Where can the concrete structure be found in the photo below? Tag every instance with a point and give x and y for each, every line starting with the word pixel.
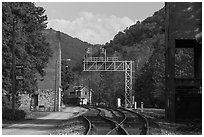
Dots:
pixel 183 30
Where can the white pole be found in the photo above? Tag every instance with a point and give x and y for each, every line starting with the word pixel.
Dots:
pixel 133 100
pixel 90 97
pixel 59 99
pixel 105 54
pixel 142 106
pixel 135 105
pixel 119 102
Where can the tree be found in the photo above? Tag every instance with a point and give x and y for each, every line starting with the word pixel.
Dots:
pixel 188 16
pixel 32 50
pixel 67 76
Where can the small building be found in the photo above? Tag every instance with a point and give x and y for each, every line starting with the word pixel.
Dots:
pixel 43 100
pixel 80 96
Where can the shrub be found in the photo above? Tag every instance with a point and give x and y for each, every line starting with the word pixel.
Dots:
pixel 20 114
pixel 7 114
pixel 65 99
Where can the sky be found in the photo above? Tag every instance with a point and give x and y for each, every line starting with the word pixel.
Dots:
pixel 99 22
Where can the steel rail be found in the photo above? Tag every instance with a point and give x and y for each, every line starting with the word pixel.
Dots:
pixel 145 130
pixel 88 121
pixel 124 115
pixel 119 125
pixel 100 114
pixel 89 125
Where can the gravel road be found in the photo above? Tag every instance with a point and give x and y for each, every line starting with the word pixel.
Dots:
pixel 43 125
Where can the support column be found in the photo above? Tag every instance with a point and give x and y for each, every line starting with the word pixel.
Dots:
pixel 128 83
pixel 169 66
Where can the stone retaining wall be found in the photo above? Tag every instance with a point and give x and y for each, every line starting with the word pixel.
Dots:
pixel 46 100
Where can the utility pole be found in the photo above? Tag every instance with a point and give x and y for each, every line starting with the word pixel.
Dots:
pixel 55 100
pixel 89 87
pixel 59 63
pixel 13 69
pixel 90 80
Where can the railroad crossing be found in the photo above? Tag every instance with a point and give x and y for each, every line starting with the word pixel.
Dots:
pixel 111 64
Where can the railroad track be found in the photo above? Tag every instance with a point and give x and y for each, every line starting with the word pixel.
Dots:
pixel 135 124
pixel 99 124
pixel 109 121
pixel 118 117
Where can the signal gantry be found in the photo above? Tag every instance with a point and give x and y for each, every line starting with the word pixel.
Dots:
pixel 111 64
